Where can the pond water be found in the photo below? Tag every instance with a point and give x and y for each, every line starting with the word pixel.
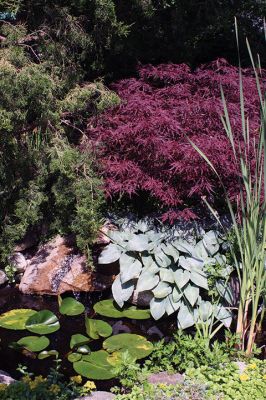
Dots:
pixel 11 298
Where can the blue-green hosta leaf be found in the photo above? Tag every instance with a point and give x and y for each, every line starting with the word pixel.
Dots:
pixel 170 305
pixel 170 250
pixel 192 293
pixel 191 263
pixel 147 261
pixel 200 251
pixel 167 275
pixel 162 290
pixel 185 317
pixel 147 281
pixel 122 291
pixel 130 268
pixel 183 246
pixel 110 254
pixel 205 311
pixel 157 307
pixel 225 291
pixel 118 237
pixel 220 259
pixel 138 243
pixel 223 315
pixel 199 280
pixel 211 243
pixel 177 294
pixel 181 278
pixel 142 226
pixel 161 258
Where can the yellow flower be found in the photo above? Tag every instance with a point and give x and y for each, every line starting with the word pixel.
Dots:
pixel 264 377
pixel 89 385
pixel 162 385
pixel 76 379
pixel 252 366
pixel 26 379
pixel 3 386
pixel 244 377
pixel 54 389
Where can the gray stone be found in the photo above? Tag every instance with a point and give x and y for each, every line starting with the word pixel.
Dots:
pixel 6 378
pixel 166 378
pixel 19 261
pixel 99 395
pixel 3 277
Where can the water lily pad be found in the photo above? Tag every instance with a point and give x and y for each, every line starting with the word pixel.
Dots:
pixel 74 357
pixel 108 308
pixel 96 328
pixel 137 346
pixel 34 343
pixel 43 322
pixel 95 366
pixel 78 340
pixel 16 319
pixel 47 353
pixel 70 306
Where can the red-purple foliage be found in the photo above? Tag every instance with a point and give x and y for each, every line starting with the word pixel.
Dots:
pixel 142 144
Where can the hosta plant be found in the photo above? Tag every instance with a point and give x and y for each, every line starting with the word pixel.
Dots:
pixel 172 269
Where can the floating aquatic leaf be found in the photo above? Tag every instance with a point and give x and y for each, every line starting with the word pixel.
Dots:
pixel 74 357
pixel 95 366
pixel 70 306
pixel 78 340
pixel 108 308
pixel 43 322
pixel 137 346
pixel 96 328
pixel 47 353
pixel 16 319
pixel 34 343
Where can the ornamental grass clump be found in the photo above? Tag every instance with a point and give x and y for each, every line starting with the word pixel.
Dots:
pixel 249 220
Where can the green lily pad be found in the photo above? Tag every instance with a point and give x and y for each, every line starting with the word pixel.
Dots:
pixel 109 308
pixel 74 357
pixel 71 307
pixel 96 328
pixel 137 346
pixel 47 353
pixel 78 340
pixel 34 343
pixel 16 319
pixel 43 322
pixel 95 366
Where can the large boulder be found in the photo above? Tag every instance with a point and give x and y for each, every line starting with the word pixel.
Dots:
pixel 5 378
pixel 56 268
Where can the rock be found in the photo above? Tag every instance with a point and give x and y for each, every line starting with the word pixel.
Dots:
pixel 56 268
pixel 19 261
pixel 99 395
pixel 5 378
pixel 3 277
pixel 166 378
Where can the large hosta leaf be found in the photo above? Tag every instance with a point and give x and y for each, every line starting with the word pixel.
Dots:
pixel 96 328
pixel 211 242
pixel 137 346
pixel 147 281
pixel 16 319
pixel 161 258
pixel 70 306
pixel 95 366
pixel 108 308
pixel 122 291
pixel 130 268
pixel 162 290
pixel 183 246
pixel 157 307
pixel 167 275
pixel 43 322
pixel 192 293
pixel 199 279
pixel 171 251
pixel 185 317
pixel 34 343
pixel 138 243
pixel 181 278
pixel 110 254
pixel 223 315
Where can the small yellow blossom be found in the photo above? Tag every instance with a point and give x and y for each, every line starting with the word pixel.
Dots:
pixel 252 366
pixel 76 379
pixel 3 386
pixel 264 377
pixel 162 385
pixel 89 385
pixel 54 389
pixel 244 377
pixel 26 379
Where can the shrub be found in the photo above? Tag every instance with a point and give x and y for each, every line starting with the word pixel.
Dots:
pixel 143 144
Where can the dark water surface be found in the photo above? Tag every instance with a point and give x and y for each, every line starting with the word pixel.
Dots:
pixel 11 298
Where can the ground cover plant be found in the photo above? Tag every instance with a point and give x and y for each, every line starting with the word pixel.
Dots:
pixel 143 146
